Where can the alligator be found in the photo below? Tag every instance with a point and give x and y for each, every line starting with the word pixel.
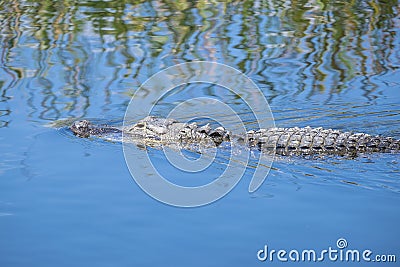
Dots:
pixel 154 131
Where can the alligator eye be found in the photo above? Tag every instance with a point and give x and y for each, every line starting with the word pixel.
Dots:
pixel 81 128
pixel 216 134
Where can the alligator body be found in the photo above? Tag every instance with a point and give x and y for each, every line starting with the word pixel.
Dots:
pixel 283 141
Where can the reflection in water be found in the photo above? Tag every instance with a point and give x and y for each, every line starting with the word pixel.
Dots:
pixel 68 56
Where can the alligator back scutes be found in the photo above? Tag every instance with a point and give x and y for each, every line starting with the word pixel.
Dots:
pixel 309 140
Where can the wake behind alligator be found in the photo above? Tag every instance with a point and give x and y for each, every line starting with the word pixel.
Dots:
pixel 153 131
